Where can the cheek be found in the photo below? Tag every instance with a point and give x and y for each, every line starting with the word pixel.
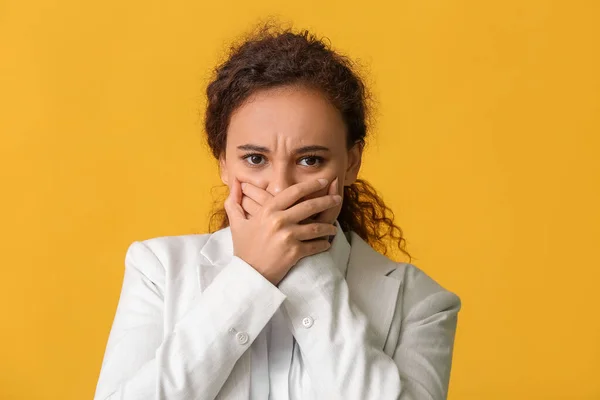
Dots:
pixel 247 175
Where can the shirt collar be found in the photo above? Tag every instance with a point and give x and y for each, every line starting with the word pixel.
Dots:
pixel 340 249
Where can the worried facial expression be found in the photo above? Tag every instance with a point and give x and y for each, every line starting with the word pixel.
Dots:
pixel 286 135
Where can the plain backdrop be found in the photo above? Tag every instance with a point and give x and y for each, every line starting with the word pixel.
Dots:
pixel 486 146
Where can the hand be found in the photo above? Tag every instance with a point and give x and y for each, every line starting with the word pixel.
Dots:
pixel 273 239
pixel 254 197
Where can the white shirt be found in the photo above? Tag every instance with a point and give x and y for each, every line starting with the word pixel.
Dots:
pixel 282 375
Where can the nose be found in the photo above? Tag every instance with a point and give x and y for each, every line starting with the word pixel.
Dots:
pixel 281 178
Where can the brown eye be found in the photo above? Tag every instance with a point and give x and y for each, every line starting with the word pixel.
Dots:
pixel 254 159
pixel 311 161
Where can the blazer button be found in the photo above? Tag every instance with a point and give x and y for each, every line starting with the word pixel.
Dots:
pixel 307 322
pixel 242 337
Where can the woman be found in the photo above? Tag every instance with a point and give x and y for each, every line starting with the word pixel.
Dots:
pixel 289 300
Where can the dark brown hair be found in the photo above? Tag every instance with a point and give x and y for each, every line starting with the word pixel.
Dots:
pixel 274 57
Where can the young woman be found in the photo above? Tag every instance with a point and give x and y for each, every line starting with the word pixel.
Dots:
pixel 289 298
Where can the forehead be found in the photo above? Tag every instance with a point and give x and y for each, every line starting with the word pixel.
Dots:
pixel 294 114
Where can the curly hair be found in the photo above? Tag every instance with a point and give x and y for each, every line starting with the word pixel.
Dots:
pixel 273 57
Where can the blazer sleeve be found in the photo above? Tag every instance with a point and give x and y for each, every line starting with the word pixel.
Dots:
pixel 194 360
pixel 426 341
pixel 338 346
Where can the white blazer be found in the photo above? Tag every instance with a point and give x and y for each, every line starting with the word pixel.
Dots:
pixel 189 310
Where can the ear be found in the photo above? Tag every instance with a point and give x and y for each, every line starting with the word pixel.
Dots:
pixel 223 169
pixel 354 162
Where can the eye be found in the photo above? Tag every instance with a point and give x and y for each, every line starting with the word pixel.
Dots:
pixel 254 160
pixel 311 161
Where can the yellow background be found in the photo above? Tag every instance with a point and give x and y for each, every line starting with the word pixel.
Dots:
pixel 487 148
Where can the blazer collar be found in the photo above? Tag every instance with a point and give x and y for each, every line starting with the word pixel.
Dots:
pixel 364 256
pixel 372 290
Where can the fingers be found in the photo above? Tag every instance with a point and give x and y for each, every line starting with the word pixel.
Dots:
pixel 313 231
pixel 250 206
pixel 312 247
pixel 328 215
pixel 254 198
pixel 292 194
pixel 333 188
pixel 257 194
pixel 309 207
pixel 232 205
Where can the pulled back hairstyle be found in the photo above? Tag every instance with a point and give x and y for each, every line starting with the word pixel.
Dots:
pixel 274 57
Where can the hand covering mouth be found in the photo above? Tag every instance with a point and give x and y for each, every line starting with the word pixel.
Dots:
pixel 310 219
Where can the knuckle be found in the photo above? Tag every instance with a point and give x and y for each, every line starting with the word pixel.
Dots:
pixel 316 229
pixel 294 253
pixel 315 247
pixel 327 202
pixel 268 207
pixel 287 237
pixel 311 206
pixel 276 223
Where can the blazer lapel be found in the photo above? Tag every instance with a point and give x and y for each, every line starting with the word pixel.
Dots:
pixel 371 289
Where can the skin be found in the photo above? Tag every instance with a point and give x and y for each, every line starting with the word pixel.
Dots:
pixel 286 162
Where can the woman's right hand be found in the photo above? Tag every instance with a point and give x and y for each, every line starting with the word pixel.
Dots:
pixel 273 240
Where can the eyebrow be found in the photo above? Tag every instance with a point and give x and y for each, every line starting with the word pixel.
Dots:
pixel 300 150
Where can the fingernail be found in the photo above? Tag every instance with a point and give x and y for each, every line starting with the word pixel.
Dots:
pixel 243 185
pixel 337 198
pixel 322 181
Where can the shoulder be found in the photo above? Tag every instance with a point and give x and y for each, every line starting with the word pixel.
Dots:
pixel 178 249
pixel 166 255
pixel 421 294
pixel 418 292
